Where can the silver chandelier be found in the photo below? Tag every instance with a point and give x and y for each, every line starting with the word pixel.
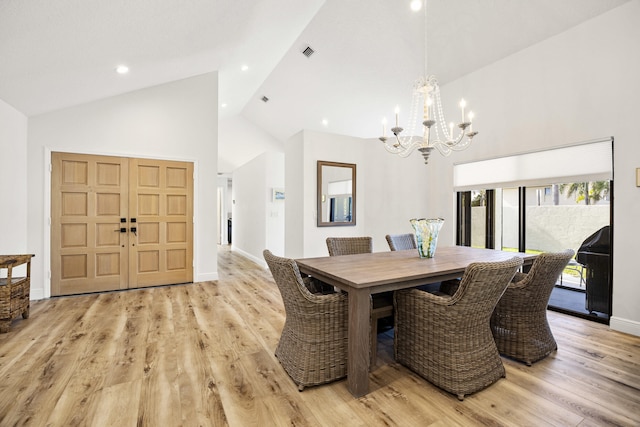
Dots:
pixel 435 131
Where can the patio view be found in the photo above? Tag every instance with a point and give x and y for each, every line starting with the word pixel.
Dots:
pixel 558 216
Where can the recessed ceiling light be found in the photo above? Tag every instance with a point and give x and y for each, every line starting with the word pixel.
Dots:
pixel 244 68
pixel 122 69
pixel 416 5
pixel 325 122
pixel 224 105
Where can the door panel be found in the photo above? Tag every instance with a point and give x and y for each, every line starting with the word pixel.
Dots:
pixel 88 252
pixel 90 195
pixel 161 200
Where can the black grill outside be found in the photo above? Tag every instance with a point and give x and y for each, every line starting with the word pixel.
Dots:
pixel 594 254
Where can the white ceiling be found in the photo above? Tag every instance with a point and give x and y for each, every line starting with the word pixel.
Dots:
pixel 55 54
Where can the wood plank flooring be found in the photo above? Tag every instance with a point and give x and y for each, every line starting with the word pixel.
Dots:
pixel 203 355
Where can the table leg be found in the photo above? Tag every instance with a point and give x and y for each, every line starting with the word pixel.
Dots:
pixel 359 342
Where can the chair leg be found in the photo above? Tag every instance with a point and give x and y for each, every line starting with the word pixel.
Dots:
pixel 5 325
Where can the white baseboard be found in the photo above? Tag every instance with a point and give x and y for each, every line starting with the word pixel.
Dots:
pixel 260 261
pixel 206 277
pixel 36 294
pixel 624 325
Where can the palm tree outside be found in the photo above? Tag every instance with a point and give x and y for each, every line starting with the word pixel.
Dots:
pixel 590 192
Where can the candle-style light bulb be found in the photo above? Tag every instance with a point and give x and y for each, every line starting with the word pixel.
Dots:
pixel 397 111
pixel 463 104
pixel 471 115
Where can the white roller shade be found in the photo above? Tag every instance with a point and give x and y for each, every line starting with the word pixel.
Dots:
pixel 591 161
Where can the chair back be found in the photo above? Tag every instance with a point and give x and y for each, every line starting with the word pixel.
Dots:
pixel 400 242
pixel 481 287
pixel 287 276
pixel 349 245
pixel 538 283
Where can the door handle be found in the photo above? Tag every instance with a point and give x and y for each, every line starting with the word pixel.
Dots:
pixel 134 230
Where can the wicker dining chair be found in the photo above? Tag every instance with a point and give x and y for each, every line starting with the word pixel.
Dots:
pixel 313 345
pixel 349 245
pixel 381 304
pixel 519 322
pixel 400 242
pixel 447 339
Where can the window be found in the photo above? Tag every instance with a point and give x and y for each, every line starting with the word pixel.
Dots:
pixel 539 209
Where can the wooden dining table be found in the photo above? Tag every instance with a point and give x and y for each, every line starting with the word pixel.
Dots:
pixel 362 275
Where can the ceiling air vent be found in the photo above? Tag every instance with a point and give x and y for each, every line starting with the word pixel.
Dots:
pixel 264 99
pixel 308 52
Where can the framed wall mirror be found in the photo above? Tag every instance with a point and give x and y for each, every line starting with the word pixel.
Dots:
pixel 336 194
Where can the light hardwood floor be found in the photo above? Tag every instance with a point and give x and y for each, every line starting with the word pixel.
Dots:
pixel 203 355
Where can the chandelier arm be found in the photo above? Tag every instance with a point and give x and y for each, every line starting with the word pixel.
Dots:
pixel 409 150
pixel 462 146
pixel 392 149
pixel 404 141
pixel 443 148
pixel 401 143
pixel 458 139
pixel 403 150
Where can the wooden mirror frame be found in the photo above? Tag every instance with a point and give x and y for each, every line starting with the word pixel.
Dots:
pixel 321 199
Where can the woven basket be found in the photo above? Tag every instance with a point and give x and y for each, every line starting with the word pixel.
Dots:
pixel 14 291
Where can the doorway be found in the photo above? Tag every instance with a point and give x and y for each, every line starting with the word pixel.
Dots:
pixel 119 223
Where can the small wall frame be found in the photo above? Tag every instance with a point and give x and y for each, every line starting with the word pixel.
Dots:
pixel 277 194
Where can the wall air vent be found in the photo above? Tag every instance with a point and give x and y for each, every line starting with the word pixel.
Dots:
pixel 308 52
pixel 264 99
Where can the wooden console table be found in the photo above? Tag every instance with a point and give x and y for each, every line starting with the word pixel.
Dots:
pixel 14 291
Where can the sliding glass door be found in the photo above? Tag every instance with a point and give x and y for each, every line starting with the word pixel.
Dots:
pixel 546 218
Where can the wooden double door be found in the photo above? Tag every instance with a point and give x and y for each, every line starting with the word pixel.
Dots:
pixel 119 223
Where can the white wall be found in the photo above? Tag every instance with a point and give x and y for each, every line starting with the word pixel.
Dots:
pixel 397 190
pixel 389 191
pixel 175 121
pixel 577 86
pixel 13 181
pixel 240 141
pixel 258 220
pixel 276 216
pixel 296 210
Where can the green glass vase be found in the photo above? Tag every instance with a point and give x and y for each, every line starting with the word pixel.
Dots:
pixel 427 235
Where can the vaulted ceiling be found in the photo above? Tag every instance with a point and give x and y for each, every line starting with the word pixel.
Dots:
pixel 55 54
